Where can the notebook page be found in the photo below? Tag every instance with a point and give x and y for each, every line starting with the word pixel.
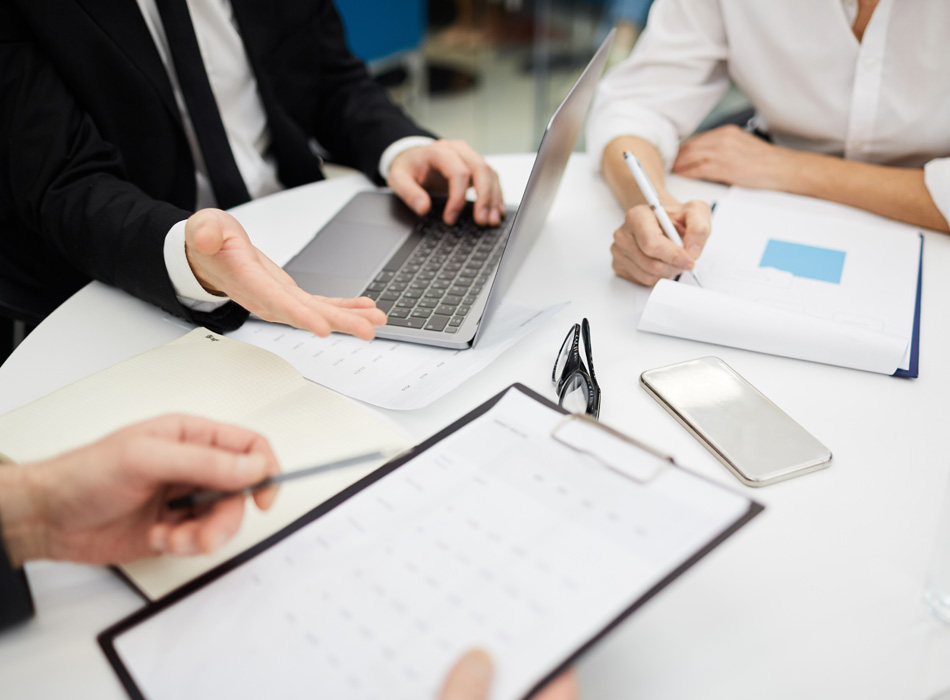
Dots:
pixel 497 537
pixel 201 373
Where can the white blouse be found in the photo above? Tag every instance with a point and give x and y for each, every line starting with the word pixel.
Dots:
pixel 815 87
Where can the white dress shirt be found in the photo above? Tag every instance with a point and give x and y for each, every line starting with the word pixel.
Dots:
pixel 815 87
pixel 245 122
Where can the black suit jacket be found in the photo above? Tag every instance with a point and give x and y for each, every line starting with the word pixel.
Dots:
pixel 94 163
pixel 16 603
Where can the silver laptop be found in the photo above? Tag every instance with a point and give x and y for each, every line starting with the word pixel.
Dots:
pixel 439 284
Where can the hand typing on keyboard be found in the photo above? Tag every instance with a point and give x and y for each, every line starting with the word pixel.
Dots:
pixel 451 165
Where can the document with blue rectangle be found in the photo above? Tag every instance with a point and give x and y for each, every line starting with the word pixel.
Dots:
pixel 799 277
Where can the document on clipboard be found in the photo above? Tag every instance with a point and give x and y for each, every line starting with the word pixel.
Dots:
pixel 517 529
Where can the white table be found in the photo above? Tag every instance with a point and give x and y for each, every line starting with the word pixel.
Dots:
pixel 818 597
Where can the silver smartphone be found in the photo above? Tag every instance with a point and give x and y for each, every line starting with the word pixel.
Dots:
pixel 753 437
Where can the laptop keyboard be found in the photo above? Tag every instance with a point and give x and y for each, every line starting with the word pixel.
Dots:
pixel 433 279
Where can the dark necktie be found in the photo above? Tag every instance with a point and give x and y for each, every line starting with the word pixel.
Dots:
pixel 229 188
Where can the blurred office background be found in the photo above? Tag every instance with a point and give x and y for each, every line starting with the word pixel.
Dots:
pixel 490 71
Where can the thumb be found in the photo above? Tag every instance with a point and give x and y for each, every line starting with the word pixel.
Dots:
pixel 470 678
pixel 204 231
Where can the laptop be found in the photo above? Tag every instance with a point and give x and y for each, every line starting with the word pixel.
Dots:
pixel 440 284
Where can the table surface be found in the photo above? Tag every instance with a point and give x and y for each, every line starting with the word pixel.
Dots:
pixel 820 596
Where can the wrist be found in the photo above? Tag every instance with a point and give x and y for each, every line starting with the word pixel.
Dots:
pixel 796 173
pixel 21 515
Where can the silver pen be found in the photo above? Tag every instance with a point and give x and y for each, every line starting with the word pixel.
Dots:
pixel 212 496
pixel 649 193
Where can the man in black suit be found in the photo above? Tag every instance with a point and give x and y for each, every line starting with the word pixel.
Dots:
pixel 105 155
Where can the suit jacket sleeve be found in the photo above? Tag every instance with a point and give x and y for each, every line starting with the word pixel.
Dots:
pixel 67 185
pixel 303 64
pixel 16 603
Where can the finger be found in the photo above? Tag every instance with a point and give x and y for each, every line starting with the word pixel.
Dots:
pixel 202 431
pixel 485 180
pixel 164 462
pixel 204 232
pixel 183 539
pixel 692 157
pixel 408 188
pixel 316 316
pixel 653 243
pixel 564 687
pixel 457 174
pixel 632 263
pixel 697 222
pixel 349 303
pixel 625 266
pixel 284 302
pixel 289 304
pixel 265 498
pixel 219 525
pixel 469 679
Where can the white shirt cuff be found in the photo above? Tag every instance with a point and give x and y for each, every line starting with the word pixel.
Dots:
pixel 187 287
pixel 397 147
pixel 937 179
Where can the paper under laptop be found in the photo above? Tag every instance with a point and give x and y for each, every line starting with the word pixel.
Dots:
pixel 353 249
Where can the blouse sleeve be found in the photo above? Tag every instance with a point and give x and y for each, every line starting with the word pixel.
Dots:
pixel 673 78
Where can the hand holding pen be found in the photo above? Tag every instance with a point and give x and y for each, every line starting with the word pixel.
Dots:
pixel 653 201
pixel 641 251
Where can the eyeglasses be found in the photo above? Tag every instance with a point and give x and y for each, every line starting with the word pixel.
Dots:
pixel 577 388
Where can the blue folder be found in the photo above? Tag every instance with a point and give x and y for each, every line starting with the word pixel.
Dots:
pixel 915 338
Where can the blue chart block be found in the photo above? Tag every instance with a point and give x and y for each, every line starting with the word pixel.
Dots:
pixel 808 261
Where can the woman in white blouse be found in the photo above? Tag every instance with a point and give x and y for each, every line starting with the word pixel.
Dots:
pixel 854 94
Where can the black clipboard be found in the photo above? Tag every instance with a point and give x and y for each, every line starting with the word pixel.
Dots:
pixel 108 637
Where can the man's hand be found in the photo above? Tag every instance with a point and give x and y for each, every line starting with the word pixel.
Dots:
pixel 224 261
pixel 452 166
pixel 470 679
pixel 735 157
pixel 107 502
pixel 641 251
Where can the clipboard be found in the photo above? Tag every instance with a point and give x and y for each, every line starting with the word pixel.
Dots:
pixel 147 649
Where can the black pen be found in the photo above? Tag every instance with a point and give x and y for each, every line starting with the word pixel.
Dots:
pixel 212 496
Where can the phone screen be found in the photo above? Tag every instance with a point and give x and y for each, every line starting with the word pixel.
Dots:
pixel 758 441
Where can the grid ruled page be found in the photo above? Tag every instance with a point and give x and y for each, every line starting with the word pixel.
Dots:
pixel 497 537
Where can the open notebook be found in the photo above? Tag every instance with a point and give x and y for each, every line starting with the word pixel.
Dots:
pixel 205 374
pixel 799 277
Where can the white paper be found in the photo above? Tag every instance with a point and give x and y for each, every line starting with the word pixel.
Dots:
pixel 690 312
pixel 497 537
pixel 863 319
pixel 388 373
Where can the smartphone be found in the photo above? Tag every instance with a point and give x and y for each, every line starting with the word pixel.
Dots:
pixel 753 437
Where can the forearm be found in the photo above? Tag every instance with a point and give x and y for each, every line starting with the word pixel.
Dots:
pixel 20 516
pixel 618 176
pixel 897 193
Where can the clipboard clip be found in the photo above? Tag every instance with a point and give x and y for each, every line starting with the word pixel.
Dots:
pixel 614 450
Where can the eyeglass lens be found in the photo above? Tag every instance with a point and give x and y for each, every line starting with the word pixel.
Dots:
pixel 575 394
pixel 560 366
